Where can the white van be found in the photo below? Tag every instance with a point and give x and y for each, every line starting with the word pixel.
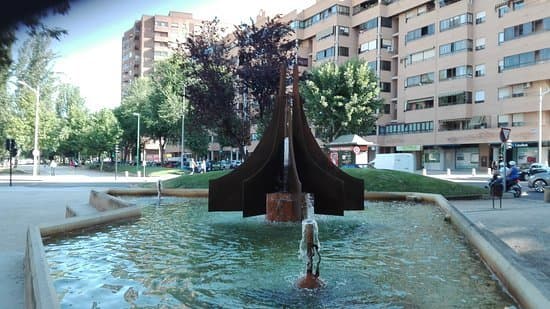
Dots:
pixel 394 161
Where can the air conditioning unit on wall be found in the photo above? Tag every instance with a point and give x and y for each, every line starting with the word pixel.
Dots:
pixel 527 85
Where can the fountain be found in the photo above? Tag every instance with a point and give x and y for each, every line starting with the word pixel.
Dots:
pixel 179 254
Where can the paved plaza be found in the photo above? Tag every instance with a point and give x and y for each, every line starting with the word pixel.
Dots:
pixel 520 228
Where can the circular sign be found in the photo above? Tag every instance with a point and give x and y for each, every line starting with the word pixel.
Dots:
pixel 35 152
pixel 356 150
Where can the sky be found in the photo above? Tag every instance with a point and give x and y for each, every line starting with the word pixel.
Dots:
pixel 89 56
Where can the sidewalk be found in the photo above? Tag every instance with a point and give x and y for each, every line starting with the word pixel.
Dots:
pixel 520 229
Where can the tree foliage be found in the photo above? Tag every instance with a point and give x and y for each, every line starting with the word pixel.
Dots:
pixel 262 49
pixel 341 99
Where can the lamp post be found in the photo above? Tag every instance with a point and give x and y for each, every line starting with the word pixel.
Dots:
pixel 137 144
pixel 182 128
pixel 35 151
pixel 541 95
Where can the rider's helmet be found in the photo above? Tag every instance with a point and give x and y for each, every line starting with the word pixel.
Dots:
pixel 512 163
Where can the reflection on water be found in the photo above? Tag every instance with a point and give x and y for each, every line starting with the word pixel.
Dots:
pixel 178 255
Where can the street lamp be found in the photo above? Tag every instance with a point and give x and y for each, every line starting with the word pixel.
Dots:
pixel 35 151
pixel 182 129
pixel 137 144
pixel 541 94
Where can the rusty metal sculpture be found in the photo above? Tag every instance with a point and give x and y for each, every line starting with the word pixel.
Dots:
pixel 286 163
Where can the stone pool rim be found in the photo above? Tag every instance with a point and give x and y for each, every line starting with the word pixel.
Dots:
pixel 40 292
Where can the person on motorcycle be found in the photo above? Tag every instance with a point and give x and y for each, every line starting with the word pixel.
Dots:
pixel 513 173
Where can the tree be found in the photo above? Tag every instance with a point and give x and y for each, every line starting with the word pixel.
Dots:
pixel 262 49
pixel 341 99
pixel 34 67
pixel 103 133
pixel 135 101
pixel 74 120
pixel 212 100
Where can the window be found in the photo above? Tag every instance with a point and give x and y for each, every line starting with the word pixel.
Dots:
pixel 455 99
pixel 385 65
pixel 455 47
pixel 343 10
pixel 343 30
pixel 174 25
pixel 480 70
pixel 420 33
pixel 503 121
pixel 504 93
pixel 386 22
pixel 161 24
pixel 517 120
pixel 419 10
pixel 404 128
pixel 455 73
pixel 387 108
pixel 325 33
pixel 525 29
pixel 386 44
pixel 308 22
pixel 480 96
pixel 508 6
pixel 371 24
pixel 419 80
pixel 419 56
pixel 326 53
pixel 419 104
pixel 343 51
pixel 385 87
pixel 365 5
pixel 456 21
pixel 443 3
pixel 480 44
pixel 367 46
pixel 480 17
pixel 519 60
pixel 518 90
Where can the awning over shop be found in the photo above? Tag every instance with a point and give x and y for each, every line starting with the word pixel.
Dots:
pixel 350 140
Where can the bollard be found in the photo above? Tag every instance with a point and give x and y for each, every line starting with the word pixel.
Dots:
pixel 473 171
pixel 424 173
pixel 448 172
pixel 126 174
pixel 547 194
pixel 139 173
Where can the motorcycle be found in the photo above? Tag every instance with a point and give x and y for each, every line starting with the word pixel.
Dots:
pixel 512 186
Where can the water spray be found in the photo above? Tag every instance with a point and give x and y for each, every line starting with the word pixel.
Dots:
pixel 309 249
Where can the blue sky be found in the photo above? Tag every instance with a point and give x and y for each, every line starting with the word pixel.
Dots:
pixel 89 56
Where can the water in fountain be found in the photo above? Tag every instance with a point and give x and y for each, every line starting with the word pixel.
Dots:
pixel 394 255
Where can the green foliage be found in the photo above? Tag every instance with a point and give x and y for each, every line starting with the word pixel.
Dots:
pixel 34 67
pixel 341 99
pixel 103 133
pixel 262 50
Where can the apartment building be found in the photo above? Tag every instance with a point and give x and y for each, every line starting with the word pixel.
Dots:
pixel 153 38
pixel 452 73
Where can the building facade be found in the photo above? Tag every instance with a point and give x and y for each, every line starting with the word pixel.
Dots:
pixel 153 38
pixel 452 73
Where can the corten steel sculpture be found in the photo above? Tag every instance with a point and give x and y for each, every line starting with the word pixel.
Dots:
pixel 286 163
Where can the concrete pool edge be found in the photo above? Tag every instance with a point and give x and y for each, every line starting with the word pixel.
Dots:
pixel 39 291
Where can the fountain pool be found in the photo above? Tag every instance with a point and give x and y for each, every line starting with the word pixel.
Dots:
pixel 392 255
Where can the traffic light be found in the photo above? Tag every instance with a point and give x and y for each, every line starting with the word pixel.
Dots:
pixel 11 146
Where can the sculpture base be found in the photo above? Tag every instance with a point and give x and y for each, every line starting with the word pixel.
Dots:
pixel 309 282
pixel 285 207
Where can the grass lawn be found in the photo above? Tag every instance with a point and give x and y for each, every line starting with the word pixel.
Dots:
pixel 374 180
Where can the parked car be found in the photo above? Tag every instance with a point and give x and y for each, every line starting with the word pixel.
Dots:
pixel 225 164
pixel 539 180
pixel 235 163
pixel 533 169
pixel 351 165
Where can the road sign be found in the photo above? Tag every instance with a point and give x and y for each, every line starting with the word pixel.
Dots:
pixel 356 150
pixel 504 134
